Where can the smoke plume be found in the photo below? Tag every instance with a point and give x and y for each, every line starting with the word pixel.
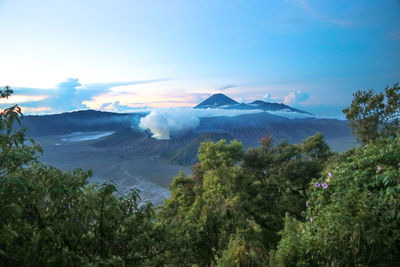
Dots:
pixel 163 122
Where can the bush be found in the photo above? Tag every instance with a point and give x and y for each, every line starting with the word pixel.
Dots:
pixel 355 220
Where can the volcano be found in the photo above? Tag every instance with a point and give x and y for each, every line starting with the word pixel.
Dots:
pixel 217 101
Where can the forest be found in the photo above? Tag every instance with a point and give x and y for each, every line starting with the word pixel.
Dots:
pixel 274 205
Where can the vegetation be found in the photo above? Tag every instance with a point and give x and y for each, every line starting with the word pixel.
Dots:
pixel 49 217
pixel 374 115
pixel 355 220
pixel 283 205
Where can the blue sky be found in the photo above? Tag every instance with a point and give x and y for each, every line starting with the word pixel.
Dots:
pixel 115 55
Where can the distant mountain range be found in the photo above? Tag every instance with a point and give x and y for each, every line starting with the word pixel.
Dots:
pixel 247 128
pixel 128 154
pixel 79 121
pixel 224 102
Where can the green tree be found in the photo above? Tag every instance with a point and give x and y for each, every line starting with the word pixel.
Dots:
pixel 49 217
pixel 353 218
pixel 201 211
pixel 277 182
pixel 242 252
pixel 374 114
pixel 15 149
pixel 230 210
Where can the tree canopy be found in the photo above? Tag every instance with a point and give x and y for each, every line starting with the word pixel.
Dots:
pixel 375 114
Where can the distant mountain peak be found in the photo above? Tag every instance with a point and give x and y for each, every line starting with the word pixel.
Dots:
pixel 216 101
pixel 276 106
pixel 262 103
pixel 259 102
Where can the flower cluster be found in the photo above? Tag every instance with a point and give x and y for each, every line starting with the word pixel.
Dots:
pixel 324 185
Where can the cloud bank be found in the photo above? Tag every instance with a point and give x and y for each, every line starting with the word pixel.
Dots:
pixel 164 122
pixel 116 106
pixel 67 96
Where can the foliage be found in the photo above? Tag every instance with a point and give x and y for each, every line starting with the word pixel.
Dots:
pixel 50 217
pixel 228 212
pixel 15 149
pixel 201 210
pixel 355 221
pixel 242 252
pixel 375 114
pixel 277 181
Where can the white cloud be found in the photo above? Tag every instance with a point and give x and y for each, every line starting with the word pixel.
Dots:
pixel 266 97
pixel 296 97
pixel 116 106
pixel 163 122
pixel 71 95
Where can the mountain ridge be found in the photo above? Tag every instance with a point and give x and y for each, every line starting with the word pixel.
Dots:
pixel 224 102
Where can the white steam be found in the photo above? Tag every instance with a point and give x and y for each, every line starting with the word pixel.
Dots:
pixel 162 122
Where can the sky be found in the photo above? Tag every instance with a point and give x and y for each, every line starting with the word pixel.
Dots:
pixel 124 55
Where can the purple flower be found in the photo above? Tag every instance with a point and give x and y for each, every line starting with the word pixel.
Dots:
pixel 317 185
pixel 379 168
pixel 311 219
pixel 307 204
pixel 324 185
pixel 330 175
